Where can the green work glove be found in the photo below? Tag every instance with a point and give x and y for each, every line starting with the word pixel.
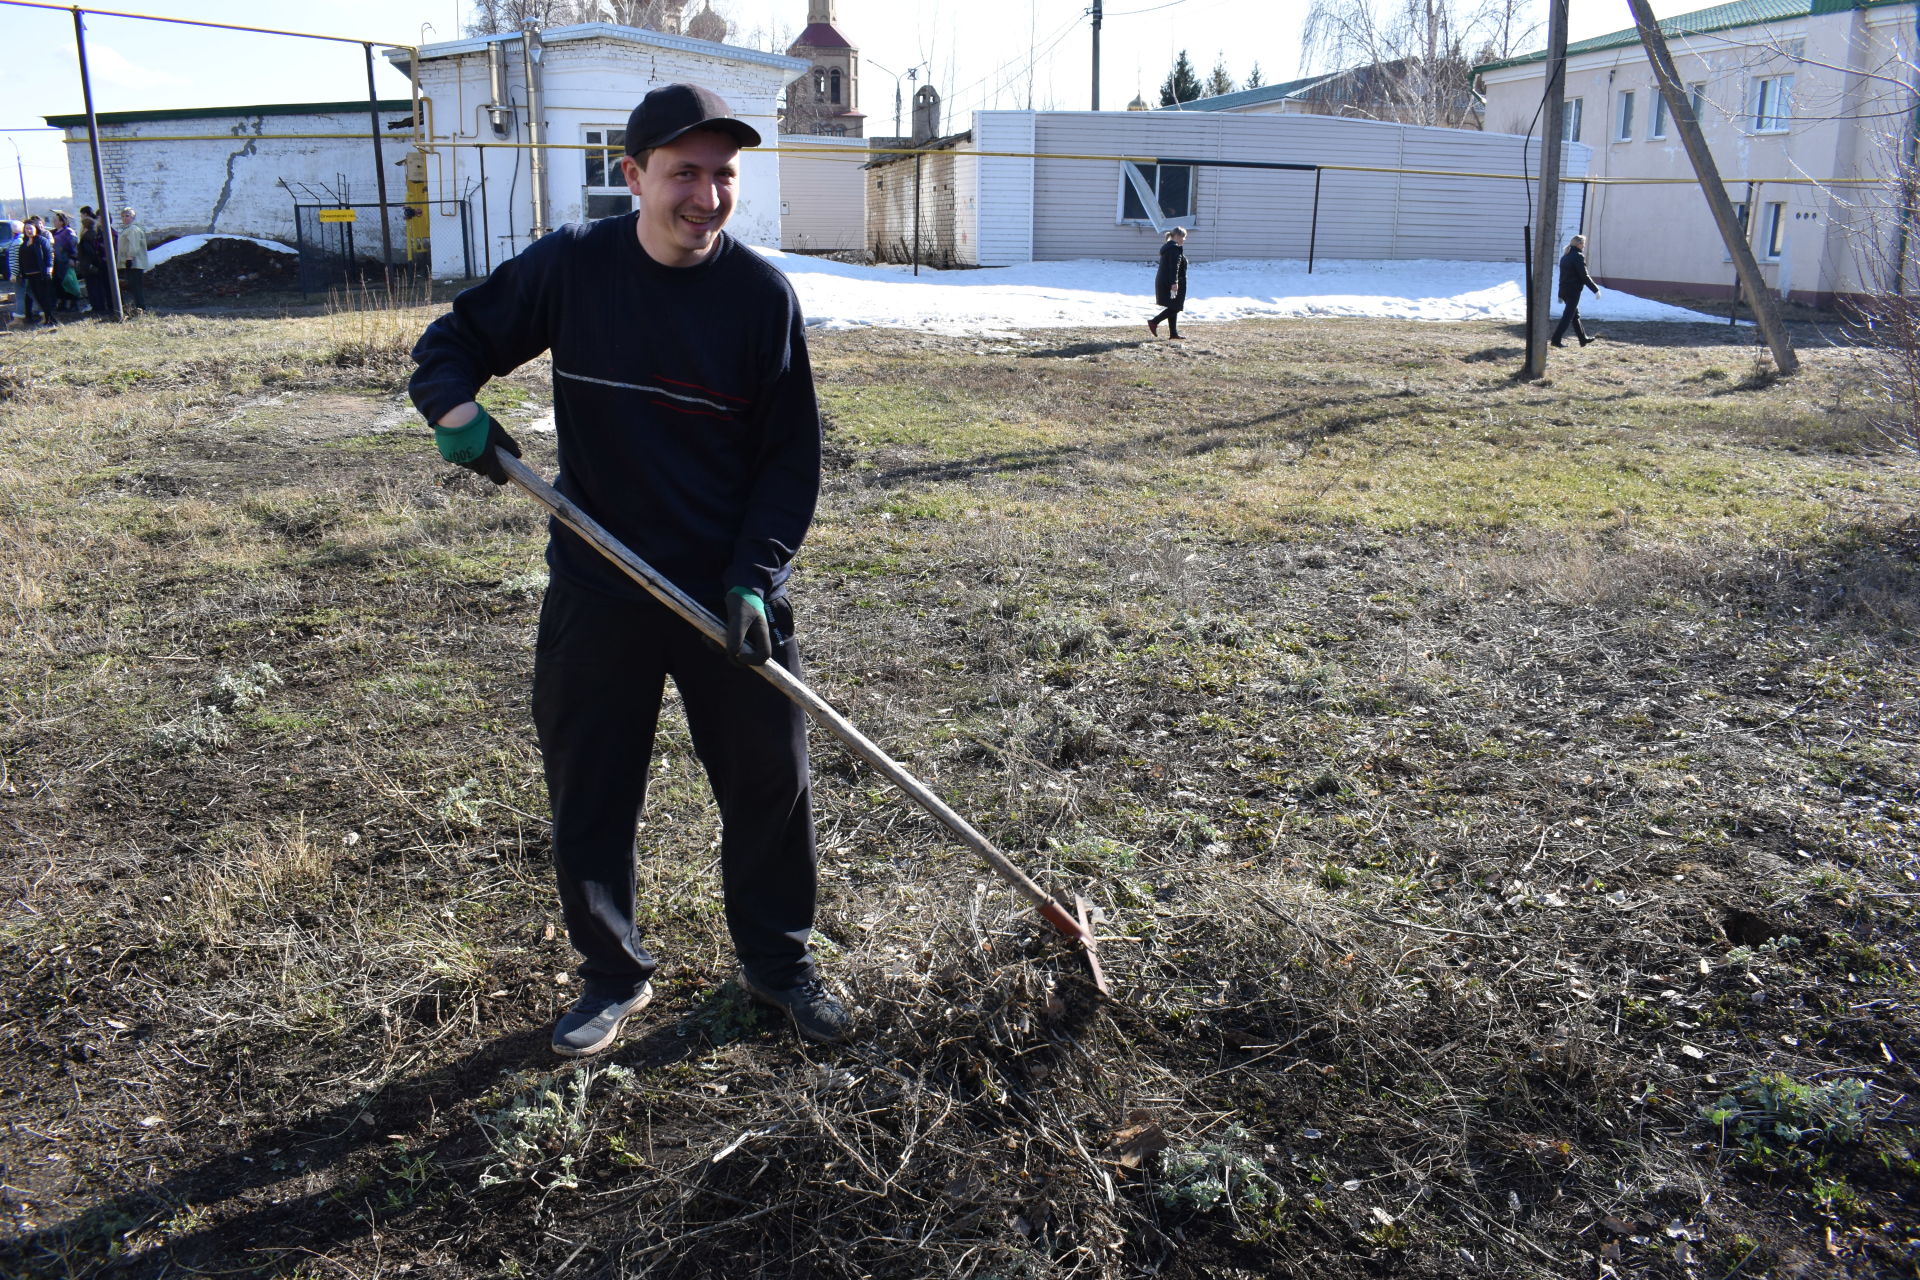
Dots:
pixel 749 642
pixel 471 446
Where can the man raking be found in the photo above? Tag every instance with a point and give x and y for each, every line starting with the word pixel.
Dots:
pixel 687 426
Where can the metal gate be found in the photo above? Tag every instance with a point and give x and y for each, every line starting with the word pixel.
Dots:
pixel 341 243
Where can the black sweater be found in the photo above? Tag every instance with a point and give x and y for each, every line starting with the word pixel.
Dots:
pixel 683 399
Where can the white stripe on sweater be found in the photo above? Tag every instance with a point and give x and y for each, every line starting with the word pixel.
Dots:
pixel 639 386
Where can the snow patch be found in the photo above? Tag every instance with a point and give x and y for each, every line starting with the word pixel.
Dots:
pixel 1093 293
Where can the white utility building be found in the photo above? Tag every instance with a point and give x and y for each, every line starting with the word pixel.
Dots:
pixel 237 170
pixel 487 97
pixel 1027 186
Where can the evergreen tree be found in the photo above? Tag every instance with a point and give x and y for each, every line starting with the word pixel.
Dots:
pixel 1181 84
pixel 1254 78
pixel 1219 82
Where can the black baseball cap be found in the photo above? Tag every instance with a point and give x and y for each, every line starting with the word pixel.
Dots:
pixel 674 109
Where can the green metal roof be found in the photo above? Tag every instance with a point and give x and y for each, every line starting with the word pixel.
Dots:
pixel 1723 17
pixel 211 113
pixel 1250 97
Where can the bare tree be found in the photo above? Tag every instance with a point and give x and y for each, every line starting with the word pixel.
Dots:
pixel 490 17
pixel 1881 221
pixel 1408 60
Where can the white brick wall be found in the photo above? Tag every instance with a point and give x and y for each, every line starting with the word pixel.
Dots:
pixel 232 182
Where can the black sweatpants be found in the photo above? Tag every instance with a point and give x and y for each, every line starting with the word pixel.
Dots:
pixel 600 666
pixel 40 289
pixel 1171 315
pixel 1570 316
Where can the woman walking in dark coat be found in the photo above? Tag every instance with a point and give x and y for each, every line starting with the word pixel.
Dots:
pixel 92 263
pixel 1574 278
pixel 65 247
pixel 1170 283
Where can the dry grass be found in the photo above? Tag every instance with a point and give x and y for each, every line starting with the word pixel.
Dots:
pixel 1481 780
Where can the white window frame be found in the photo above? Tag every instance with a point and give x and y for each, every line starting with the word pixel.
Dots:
pixel 1697 98
pixel 611 141
pixel 1151 173
pixel 1773 104
pixel 1776 231
pixel 1570 118
pixel 1658 129
pixel 1623 123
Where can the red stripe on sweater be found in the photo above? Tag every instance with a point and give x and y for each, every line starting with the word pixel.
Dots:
pixel 697 387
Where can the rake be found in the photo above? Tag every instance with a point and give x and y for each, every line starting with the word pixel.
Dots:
pixel 1074 922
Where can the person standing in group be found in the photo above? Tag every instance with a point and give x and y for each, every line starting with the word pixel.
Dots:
pixel 36 271
pixel 65 243
pixel 9 259
pixel 24 306
pixel 130 252
pixel 687 426
pixel 1573 278
pixel 92 261
pixel 1170 283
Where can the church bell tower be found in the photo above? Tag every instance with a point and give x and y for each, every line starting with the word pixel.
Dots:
pixel 825 100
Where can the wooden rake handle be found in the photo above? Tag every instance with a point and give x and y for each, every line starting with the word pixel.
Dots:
pixel 1052 909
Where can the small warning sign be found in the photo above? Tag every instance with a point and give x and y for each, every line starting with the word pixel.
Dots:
pixel 339 215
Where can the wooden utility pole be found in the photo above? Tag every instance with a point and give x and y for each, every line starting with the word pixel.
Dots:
pixel 1546 226
pixel 1766 307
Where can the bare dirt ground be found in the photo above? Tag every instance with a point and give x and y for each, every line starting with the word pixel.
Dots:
pixel 1503 798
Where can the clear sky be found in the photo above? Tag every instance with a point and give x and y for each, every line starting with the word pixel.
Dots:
pixel 978 53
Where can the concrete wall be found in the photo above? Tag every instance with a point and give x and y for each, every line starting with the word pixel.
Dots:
pixel 591 76
pixel 232 182
pixel 1053 209
pixel 823 201
pixel 1846 125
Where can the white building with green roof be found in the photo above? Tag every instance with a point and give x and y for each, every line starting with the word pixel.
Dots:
pixel 1807 105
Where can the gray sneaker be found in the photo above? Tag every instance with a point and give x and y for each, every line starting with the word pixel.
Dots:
pixel 594 1022
pixel 816 1014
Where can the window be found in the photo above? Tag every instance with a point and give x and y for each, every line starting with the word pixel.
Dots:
pixel 1659 129
pixel 1697 99
pixel 1739 216
pixel 1625 132
pixel 1171 184
pixel 1772 104
pixel 1570 120
pixel 819 85
pixel 606 194
pixel 834 80
pixel 1776 230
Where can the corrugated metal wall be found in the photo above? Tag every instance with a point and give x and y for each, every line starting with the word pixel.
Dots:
pixel 1005 186
pixel 823 198
pixel 1244 213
